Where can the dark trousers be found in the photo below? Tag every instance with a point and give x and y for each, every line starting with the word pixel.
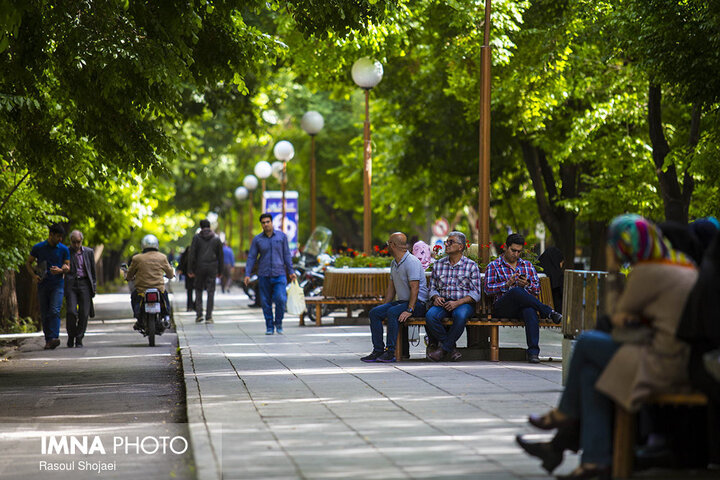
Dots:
pixel 205 281
pixel 78 298
pixel 518 303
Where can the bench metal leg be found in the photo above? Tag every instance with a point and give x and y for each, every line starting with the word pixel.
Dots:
pixel 401 339
pixel 318 314
pixel 623 443
pixel 494 344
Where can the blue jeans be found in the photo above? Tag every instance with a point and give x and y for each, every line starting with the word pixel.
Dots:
pixel 50 299
pixel 593 351
pixel 272 290
pixel 436 330
pixel 518 303
pixel 391 311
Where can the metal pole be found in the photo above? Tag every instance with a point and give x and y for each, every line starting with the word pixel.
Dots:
pixel 250 215
pixel 240 233
pixel 263 191
pixel 367 180
pixel 484 170
pixel 228 236
pixel 312 184
pixel 283 197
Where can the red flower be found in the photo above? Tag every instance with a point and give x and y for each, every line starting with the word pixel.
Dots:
pixel 377 249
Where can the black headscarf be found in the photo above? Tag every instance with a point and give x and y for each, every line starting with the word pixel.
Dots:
pixel 550 263
pixel 683 239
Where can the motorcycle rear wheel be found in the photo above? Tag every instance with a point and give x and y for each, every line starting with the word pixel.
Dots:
pixel 151 319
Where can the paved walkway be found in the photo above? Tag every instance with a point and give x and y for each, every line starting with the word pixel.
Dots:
pixel 302 405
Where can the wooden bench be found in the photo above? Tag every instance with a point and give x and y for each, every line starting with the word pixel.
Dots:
pixel 349 287
pixel 483 318
pixel 624 437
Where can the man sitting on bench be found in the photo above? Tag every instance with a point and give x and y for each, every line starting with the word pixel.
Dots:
pixel 515 285
pixel 407 280
pixel 454 289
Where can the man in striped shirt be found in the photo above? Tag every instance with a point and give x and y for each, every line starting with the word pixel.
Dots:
pixel 515 285
pixel 454 290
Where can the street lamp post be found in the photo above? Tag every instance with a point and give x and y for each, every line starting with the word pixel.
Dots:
pixel 250 182
pixel 312 122
pixel 366 74
pixel 484 164
pixel 241 193
pixel 262 171
pixel 284 152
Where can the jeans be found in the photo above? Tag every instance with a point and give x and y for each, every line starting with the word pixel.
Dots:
pixel 518 303
pixel 391 311
pixel 436 330
pixel 593 351
pixel 50 298
pixel 78 298
pixel 205 281
pixel 272 290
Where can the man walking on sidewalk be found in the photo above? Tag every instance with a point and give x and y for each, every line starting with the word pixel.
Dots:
pixel 408 285
pixel 53 262
pixel 270 250
pixel 205 264
pixel 79 289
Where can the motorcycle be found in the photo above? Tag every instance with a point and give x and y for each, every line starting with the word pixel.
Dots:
pixel 154 310
pixel 310 268
pixel 154 319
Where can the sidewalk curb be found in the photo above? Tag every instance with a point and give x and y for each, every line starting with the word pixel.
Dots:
pixel 206 463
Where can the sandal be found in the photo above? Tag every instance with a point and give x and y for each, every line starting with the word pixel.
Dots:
pixel 586 471
pixel 551 420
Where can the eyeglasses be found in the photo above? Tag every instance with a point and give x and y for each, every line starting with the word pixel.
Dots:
pixel 450 242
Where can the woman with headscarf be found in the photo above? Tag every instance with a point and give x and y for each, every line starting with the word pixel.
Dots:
pixel 552 261
pixel 604 371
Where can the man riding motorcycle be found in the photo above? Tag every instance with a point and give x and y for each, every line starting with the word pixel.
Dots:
pixel 147 270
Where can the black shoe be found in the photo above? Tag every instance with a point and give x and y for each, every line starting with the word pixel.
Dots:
pixel 52 344
pixel 455 355
pixel 137 326
pixel 373 357
pixel 437 354
pixel 388 356
pixel 555 317
pixel 198 319
pixel 533 358
pixel 431 347
pixel 71 342
pixel 209 320
pixel 545 451
pixel 78 343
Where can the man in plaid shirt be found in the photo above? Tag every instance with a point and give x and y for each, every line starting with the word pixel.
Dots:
pixel 454 289
pixel 515 285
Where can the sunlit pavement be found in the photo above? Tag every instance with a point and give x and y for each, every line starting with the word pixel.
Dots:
pixel 302 405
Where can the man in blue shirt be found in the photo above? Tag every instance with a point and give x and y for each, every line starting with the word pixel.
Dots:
pixel 228 265
pixel 53 261
pixel 270 249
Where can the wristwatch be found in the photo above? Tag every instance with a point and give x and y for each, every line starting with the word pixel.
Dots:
pixel 409 310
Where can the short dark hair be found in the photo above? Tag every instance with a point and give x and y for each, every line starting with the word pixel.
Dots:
pixel 205 223
pixel 57 228
pixel 514 239
pixel 265 215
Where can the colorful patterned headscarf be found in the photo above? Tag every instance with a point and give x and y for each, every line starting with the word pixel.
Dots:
pixel 422 251
pixel 635 239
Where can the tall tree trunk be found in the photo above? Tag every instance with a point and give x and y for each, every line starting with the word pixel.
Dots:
pixel 27 297
pixel 8 300
pixel 598 235
pixel 675 198
pixel 559 221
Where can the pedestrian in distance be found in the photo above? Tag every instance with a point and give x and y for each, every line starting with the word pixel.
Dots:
pixel 205 264
pixel 53 261
pixel 189 281
pixel 228 266
pixel 514 284
pixel 454 290
pixel 271 252
pixel 80 285
pixel 405 297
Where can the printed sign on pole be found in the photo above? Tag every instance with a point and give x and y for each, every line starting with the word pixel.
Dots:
pixel 441 227
pixel 272 204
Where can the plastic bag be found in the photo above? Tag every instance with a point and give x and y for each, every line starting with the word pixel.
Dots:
pixel 295 299
pixel 414 334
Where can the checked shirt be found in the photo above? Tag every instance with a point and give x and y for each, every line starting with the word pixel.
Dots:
pixel 453 282
pixel 498 271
